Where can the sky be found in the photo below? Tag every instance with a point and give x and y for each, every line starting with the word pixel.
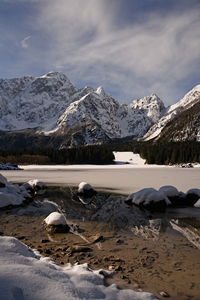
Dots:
pixel 132 48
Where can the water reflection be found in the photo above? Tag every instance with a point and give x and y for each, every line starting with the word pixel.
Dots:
pixel 112 211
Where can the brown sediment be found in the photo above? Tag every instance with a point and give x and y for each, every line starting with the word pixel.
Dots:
pixel 168 265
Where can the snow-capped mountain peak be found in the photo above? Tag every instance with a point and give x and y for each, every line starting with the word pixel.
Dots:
pixel 100 91
pixel 190 99
pixel 51 104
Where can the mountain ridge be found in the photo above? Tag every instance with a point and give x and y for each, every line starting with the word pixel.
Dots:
pixel 50 105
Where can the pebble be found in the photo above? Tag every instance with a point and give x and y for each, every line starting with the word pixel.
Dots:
pixel 119 241
pixel 47 251
pixel 164 294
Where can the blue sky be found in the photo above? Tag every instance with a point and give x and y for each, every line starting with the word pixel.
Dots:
pixel 131 47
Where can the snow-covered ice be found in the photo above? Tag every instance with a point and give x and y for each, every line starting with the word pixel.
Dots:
pixel 26 275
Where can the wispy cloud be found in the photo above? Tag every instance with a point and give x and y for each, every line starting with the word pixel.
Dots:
pixel 24 42
pixel 131 54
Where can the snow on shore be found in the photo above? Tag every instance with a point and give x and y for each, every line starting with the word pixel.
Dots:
pixel 12 194
pixel 128 157
pixel 26 275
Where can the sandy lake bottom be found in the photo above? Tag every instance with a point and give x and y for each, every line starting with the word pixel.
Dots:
pixel 162 254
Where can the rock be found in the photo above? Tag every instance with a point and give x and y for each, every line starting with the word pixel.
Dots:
pixel 47 251
pixel 2 185
pixel 57 228
pixel 55 218
pixel 111 268
pixel 3 181
pixel 118 268
pixel 44 241
pixel 119 241
pixel 75 249
pixel 36 184
pixel 149 199
pixel 192 196
pixel 56 223
pixel 164 294
pixel 86 190
pixel 97 239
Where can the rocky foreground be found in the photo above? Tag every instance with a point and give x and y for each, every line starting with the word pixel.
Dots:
pixel 141 252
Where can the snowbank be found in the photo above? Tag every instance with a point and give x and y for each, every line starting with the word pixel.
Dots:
pixel 11 194
pixel 26 275
pixel 128 157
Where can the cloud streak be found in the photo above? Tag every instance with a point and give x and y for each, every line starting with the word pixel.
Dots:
pixel 24 42
pixel 93 42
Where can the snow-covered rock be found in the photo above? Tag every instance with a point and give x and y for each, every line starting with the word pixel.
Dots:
pixel 169 190
pixel 55 218
pixel 149 198
pixel 56 223
pixel 27 275
pixel 167 195
pixel 12 194
pixel 36 184
pixel 86 190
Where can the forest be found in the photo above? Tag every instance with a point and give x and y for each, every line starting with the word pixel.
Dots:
pixel 154 153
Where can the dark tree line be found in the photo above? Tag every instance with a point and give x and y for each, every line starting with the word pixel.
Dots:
pixel 169 153
pixel 153 152
pixel 96 154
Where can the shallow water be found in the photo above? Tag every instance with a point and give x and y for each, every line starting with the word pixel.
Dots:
pixel 154 252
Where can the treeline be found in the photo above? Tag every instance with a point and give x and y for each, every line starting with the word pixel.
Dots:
pixel 161 153
pixel 153 153
pixel 96 154
pixel 168 153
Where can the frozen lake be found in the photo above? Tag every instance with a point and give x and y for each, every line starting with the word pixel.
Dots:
pixel 124 179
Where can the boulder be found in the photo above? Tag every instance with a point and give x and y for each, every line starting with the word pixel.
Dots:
pixel 36 184
pixel 149 199
pixel 192 196
pixel 3 181
pixel 177 199
pixel 56 223
pixel 86 190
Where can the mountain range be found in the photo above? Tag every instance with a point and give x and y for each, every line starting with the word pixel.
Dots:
pixel 50 110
